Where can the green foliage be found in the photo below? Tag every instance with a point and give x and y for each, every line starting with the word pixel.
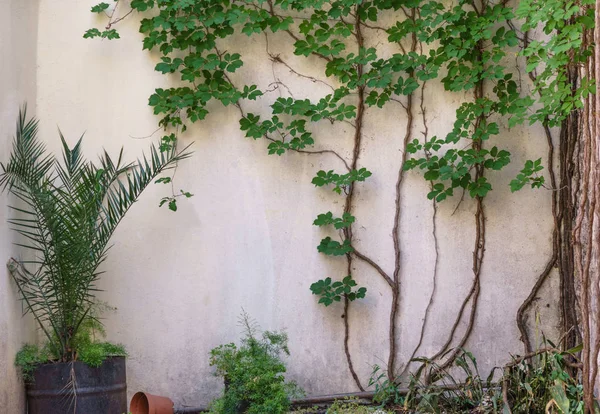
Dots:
pixel 457 389
pixel 253 373
pixel 343 406
pixel 68 213
pixel 334 248
pixel 100 7
pixel 528 175
pixel 551 58
pixel 87 343
pixel 334 292
pixel 339 223
pixel 469 44
pixel 29 357
pixel 353 406
pixel 91 349
pixel 545 384
pixel 340 182
pixel 387 392
pixel 187 34
pixel 91 33
pixel 172 201
pixel 468 65
pixel 464 44
pixel 106 34
pixel 94 353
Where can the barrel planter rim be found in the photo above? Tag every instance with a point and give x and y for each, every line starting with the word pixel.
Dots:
pixel 52 363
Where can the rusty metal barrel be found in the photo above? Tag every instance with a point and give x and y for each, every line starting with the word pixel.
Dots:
pixel 74 387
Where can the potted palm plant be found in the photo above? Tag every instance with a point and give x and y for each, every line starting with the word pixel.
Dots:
pixel 66 212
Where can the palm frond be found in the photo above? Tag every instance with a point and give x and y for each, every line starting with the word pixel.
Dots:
pixel 28 163
pixel 68 213
pixel 121 196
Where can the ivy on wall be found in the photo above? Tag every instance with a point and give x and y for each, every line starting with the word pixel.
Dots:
pixel 466 45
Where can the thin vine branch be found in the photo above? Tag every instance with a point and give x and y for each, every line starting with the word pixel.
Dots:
pixel 355 155
pixel 435 243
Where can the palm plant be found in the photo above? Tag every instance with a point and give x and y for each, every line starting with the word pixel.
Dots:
pixel 67 214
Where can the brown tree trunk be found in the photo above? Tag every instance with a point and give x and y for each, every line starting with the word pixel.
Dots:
pixel 586 229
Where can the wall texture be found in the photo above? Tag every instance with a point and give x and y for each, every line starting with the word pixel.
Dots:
pixel 245 240
pixel 18 40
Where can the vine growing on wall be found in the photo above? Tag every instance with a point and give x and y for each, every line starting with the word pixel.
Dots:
pixel 376 53
pixel 562 92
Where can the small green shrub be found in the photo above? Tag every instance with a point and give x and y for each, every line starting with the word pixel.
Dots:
pixel 387 392
pixel 544 384
pixel 456 389
pixel 253 373
pixel 94 353
pixel 88 341
pixel 90 348
pixel 29 357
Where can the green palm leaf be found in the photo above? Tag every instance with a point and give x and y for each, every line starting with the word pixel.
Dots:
pixel 67 214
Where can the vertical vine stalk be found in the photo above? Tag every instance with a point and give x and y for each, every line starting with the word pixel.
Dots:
pixel 556 257
pixel 569 172
pixel 435 243
pixel 408 107
pixel 478 255
pixel 350 193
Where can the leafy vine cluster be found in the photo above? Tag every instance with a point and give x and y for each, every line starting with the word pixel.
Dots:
pixel 466 45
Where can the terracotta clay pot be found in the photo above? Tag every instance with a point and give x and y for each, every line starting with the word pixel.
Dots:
pixel 144 403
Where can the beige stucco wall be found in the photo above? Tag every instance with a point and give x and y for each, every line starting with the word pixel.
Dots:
pixel 180 280
pixel 18 39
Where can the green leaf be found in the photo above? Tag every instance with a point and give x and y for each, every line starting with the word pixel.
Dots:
pixel 334 248
pixel 334 292
pixel 432 175
pixel 141 5
pixel 110 34
pixel 91 33
pixel 339 223
pixel 324 219
pixel 100 7
pixel 560 396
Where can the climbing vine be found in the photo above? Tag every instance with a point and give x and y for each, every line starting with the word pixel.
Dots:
pixel 376 53
pixel 553 68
